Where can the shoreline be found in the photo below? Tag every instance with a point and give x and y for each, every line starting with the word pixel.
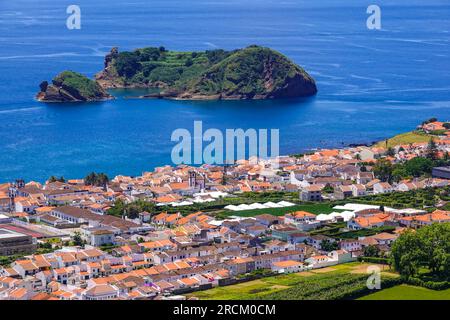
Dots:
pixel 151 169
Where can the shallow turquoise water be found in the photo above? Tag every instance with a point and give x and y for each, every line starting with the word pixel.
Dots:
pixel 372 84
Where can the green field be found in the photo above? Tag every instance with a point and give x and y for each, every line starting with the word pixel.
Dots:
pixel 312 208
pixel 325 283
pixel 404 138
pixel 407 292
pixel 250 289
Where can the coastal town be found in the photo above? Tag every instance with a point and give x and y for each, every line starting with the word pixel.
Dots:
pixel 177 230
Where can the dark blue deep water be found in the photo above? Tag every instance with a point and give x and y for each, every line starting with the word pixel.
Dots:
pixel 372 84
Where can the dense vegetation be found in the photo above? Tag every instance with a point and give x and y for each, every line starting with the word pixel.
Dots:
pixel 426 198
pixel 78 85
pixel 425 251
pixel 327 287
pixel 246 73
pixel 414 168
pixel 337 232
pixel 56 179
pixel 96 179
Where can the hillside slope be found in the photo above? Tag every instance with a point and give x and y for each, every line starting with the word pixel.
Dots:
pixel 250 73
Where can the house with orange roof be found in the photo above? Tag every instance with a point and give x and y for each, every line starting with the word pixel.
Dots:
pixel 302 220
pixel 433 126
pixel 164 218
pixel 382 187
pixel 63 295
pixel 181 188
pixel 417 221
pixel 329 153
pixel 406 186
pixel 25 267
pixel 19 294
pixel 160 218
pixel 368 222
pixel 287 266
pixel 168 198
pixel 101 292
pixel 158 246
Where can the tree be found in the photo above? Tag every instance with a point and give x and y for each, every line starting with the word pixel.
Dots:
pixel 371 251
pixel 327 245
pixel 428 247
pixel 45 245
pixel 118 208
pixel 224 179
pixel 406 254
pixel 430 121
pixel 436 246
pixel 56 179
pixel 90 179
pixel 328 188
pixel 188 62
pixel 131 210
pixel 431 151
pixel 94 179
pixel 399 172
pixel 127 64
pixel 383 170
pixel 77 240
pixel 418 166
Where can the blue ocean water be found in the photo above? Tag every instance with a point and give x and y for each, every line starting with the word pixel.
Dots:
pixel 372 84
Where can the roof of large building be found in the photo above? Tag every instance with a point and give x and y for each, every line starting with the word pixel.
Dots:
pixel 8 234
pixel 103 219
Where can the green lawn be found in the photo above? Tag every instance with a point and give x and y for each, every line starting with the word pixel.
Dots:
pixel 312 208
pixel 407 292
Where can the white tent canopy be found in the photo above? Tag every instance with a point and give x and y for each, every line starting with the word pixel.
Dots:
pixel 212 194
pixel 272 205
pixel 356 207
pixel 286 204
pixel 253 206
pixel 346 215
pixel 257 206
pixel 183 203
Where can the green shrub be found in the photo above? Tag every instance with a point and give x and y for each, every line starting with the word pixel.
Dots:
pixel 374 260
pixel 433 285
